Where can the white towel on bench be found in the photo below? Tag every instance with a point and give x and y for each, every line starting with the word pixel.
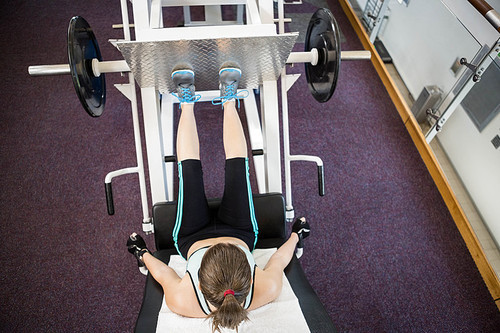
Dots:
pixel 282 315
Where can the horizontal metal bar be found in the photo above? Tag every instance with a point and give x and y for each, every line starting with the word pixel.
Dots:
pixel 117 66
pixel 306 158
pixel 43 70
pixel 120 66
pixel 312 56
pixel 286 20
pixel 120 172
pixel 177 3
pixel 98 67
pixel 300 57
pixel 120 26
pixel 356 55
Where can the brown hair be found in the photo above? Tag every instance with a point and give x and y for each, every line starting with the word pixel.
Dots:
pixel 225 266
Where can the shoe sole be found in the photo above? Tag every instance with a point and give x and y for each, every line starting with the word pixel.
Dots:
pixel 231 69
pixel 182 71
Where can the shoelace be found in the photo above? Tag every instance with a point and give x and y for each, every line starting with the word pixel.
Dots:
pixel 230 93
pixel 186 96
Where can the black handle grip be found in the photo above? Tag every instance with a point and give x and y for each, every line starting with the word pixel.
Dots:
pixel 109 198
pixel 321 180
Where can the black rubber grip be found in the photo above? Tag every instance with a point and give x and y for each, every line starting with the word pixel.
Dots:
pixel 170 158
pixel 257 152
pixel 109 198
pixel 321 180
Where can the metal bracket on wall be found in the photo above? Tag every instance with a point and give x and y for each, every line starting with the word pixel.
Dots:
pixel 464 90
pixel 374 13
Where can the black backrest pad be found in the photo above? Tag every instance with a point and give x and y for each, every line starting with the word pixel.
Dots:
pixel 269 211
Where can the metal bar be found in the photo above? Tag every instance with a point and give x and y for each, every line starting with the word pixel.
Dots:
pixel 98 67
pixel 300 57
pixel 120 26
pixel 312 56
pixel 48 70
pixel 125 22
pixel 117 66
pixel 187 15
pixel 286 20
pixel 121 66
pixel 156 16
pixel 284 110
pixel 286 149
pixel 266 11
pixel 213 15
pixel 207 32
pixel 141 10
pixel 146 226
pixel 153 134
pixel 125 171
pixel 281 17
pixel 494 18
pixel 253 16
pixel 355 55
pixel 167 126
pixel 204 23
pixel 239 14
pixel 256 140
pixel 271 135
pixel 175 3
pixel 129 91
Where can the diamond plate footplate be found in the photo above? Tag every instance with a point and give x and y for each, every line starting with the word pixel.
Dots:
pixel 260 59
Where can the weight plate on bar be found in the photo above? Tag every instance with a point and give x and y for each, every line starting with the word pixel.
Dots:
pixel 82 48
pixel 323 34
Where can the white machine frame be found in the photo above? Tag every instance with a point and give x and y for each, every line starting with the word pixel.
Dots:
pixel 158 111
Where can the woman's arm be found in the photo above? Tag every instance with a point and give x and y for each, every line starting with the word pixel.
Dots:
pixel 161 272
pixel 179 293
pixel 280 259
pixel 269 282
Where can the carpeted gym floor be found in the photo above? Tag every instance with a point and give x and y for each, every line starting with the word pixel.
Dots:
pixel 384 255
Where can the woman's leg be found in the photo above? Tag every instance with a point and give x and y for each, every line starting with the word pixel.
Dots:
pixel 192 207
pixel 236 208
pixel 188 146
pixel 235 144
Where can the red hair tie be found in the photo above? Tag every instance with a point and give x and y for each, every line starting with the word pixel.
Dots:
pixel 229 291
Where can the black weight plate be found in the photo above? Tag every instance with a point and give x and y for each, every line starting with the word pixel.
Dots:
pixel 82 48
pixel 323 34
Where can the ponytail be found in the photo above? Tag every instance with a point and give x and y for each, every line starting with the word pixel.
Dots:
pixel 230 314
pixel 225 281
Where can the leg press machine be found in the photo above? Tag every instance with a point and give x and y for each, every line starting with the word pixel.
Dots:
pixel 257 42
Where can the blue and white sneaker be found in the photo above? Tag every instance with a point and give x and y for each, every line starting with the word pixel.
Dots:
pixel 229 77
pixel 184 83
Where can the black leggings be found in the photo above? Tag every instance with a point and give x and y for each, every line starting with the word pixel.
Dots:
pixel 235 216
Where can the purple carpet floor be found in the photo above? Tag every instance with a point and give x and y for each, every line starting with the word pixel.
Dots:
pixel 384 255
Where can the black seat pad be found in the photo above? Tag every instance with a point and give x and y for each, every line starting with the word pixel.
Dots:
pixel 270 214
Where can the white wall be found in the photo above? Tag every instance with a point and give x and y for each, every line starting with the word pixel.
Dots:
pixel 424 39
pixel 478 164
pixel 362 4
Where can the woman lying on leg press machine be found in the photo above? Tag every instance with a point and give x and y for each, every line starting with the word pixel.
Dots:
pixel 222 280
